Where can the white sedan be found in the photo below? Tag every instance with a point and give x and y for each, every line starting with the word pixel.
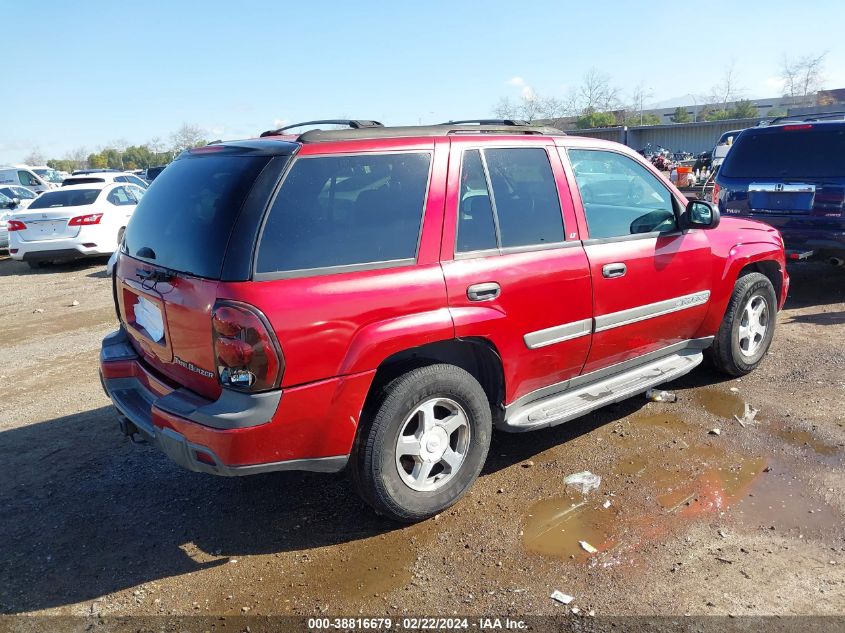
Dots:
pixel 72 222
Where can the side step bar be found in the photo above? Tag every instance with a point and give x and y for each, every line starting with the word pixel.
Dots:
pixel 562 407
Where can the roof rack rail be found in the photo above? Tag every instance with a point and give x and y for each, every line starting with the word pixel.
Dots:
pixel 355 124
pixel 809 117
pixel 317 136
pixel 514 122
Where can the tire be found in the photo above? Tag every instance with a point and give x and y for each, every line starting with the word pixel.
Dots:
pixel 743 340
pixel 459 424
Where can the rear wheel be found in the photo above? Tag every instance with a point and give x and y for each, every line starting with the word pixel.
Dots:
pixel 424 444
pixel 748 326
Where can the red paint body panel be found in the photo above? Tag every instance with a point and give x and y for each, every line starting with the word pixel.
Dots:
pixel 658 269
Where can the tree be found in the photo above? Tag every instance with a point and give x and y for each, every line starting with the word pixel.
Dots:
pixel 727 89
pixel 647 119
pixel 715 115
pixel 97 161
pixel 596 94
pixel 744 109
pixel 595 119
pixel 187 137
pixel 803 76
pixel 530 107
pixel 635 109
pixel 35 157
pixel 681 115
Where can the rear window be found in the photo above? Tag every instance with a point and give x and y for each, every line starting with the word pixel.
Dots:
pixel 65 198
pixel 337 211
pixel 184 221
pixel 81 181
pixel 812 153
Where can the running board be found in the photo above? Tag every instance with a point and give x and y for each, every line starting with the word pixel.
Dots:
pixel 562 407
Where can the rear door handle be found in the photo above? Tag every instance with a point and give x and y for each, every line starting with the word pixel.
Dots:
pixel 484 292
pixel 617 269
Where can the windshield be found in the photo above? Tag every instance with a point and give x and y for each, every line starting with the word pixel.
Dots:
pixel 65 198
pixel 50 175
pixel 801 153
pixel 186 216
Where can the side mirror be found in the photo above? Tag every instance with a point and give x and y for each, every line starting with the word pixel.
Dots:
pixel 16 202
pixel 700 214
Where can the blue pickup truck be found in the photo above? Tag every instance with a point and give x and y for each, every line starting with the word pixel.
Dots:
pixel 791 176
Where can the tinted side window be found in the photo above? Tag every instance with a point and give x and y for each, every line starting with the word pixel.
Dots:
pixel 476 227
pixel 346 210
pixel 525 196
pixel 620 196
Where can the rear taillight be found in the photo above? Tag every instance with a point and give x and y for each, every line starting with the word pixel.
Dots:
pixel 16 225
pixel 714 197
pixel 801 126
pixel 85 220
pixel 248 356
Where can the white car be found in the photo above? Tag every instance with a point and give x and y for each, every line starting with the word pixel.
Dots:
pixel 104 176
pixel 23 195
pixel 73 222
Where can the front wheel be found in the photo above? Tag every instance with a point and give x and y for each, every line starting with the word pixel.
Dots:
pixel 748 326
pixel 425 443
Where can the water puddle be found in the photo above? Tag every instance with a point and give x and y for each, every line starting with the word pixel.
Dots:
pixel 554 527
pixel 722 404
pixel 656 492
pixel 667 421
pixel 806 439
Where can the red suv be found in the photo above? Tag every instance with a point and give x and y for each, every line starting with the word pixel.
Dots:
pixel 382 297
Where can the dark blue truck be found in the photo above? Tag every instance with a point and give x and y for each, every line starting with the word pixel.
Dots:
pixel 791 176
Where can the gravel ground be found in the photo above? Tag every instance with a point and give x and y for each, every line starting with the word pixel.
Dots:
pixel 749 521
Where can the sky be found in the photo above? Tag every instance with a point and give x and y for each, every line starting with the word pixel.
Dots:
pixel 86 73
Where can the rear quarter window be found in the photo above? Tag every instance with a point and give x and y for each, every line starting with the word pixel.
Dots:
pixel 335 212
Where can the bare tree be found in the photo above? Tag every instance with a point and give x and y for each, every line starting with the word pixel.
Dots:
pixel 803 76
pixel 79 156
pixel 156 145
pixel 636 105
pixel 35 157
pixel 530 107
pixel 728 89
pixel 186 137
pixel 596 94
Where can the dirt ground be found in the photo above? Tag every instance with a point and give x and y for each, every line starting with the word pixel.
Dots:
pixel 685 521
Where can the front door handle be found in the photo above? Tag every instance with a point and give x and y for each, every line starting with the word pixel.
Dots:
pixel 484 292
pixel 617 269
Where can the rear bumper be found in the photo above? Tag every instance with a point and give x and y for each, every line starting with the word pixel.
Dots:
pixel 307 428
pixel 49 250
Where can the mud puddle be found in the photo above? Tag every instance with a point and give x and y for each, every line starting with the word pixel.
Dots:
pixel 722 404
pixel 664 484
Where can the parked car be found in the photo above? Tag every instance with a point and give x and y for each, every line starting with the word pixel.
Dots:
pixel 722 147
pixel 153 172
pixel 25 177
pixel 48 173
pixel 7 207
pixel 104 176
pixel 72 222
pixel 23 195
pixel 792 177
pixel 380 298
